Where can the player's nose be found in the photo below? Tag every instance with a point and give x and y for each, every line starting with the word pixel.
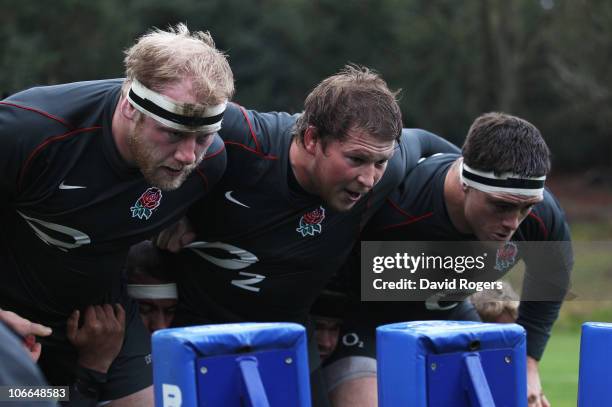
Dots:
pixel 186 151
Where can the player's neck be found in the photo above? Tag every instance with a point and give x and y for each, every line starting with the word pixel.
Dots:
pixel 454 197
pixel 299 163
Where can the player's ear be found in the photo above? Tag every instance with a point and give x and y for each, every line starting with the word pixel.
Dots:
pixel 311 138
pixel 127 110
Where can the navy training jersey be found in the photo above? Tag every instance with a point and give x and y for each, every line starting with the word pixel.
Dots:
pixel 70 207
pixel 265 248
pixel 416 210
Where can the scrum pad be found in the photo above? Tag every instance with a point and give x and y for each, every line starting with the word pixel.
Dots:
pixel 595 381
pixel 246 364
pixel 451 363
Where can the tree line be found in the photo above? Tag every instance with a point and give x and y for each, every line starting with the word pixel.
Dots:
pixel 544 60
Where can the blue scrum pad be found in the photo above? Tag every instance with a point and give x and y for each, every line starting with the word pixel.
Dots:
pixel 248 364
pixel 595 381
pixel 451 363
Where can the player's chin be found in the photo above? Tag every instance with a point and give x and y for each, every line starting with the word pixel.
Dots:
pixel 500 237
pixel 347 199
pixel 169 182
pixel 342 205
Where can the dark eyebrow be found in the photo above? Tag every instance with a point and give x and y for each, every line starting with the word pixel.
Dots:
pixel 369 156
pixel 510 204
pixel 170 129
pixel 183 133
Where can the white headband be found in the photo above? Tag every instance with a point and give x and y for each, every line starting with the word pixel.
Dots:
pixel 171 113
pixel 505 183
pixel 152 291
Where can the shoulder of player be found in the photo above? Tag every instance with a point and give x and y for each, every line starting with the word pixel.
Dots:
pixel 419 192
pixel 40 117
pixel 38 122
pixel 411 148
pixel 546 221
pixel 263 135
pixel 69 106
pixel 428 167
pixel 408 170
pixel 426 179
pixel 417 141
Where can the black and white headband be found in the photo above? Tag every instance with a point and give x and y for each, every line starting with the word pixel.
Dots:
pixel 171 114
pixel 152 291
pixel 505 183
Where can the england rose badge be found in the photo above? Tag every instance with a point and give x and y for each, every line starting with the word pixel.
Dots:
pixel 310 223
pixel 146 204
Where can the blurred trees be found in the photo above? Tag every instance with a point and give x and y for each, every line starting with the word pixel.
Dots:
pixel 545 60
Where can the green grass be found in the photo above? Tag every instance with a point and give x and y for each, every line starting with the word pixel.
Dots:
pixel 592 276
pixel 559 368
pixel 592 286
pixel 588 231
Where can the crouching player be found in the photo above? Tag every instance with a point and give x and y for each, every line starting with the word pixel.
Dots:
pixel 494 191
pixel 151 284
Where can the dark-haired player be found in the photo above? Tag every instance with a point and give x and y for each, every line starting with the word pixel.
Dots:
pixel 152 285
pixel 494 191
pixel 293 199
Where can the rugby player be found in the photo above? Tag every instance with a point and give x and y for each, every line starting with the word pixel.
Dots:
pixel 91 168
pixel 291 204
pixel 493 191
pixel 151 284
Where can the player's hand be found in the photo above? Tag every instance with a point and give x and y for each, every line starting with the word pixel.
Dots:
pixel 100 338
pixel 28 330
pixel 535 395
pixel 176 236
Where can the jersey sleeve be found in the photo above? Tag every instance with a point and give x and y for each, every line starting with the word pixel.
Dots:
pixel 25 129
pixel 538 317
pixel 12 152
pixel 253 130
pixel 421 143
pixel 547 276
pixel 22 132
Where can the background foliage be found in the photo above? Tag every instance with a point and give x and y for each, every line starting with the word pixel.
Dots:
pixel 545 60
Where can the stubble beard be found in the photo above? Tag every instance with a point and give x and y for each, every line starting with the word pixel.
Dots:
pixel 149 164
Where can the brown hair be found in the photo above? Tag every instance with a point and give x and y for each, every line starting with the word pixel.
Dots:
pixel 160 58
pixel 146 260
pixel 491 304
pixel 354 98
pixel 502 143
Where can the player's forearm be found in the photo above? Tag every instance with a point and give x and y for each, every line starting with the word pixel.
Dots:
pixel 538 317
pixel 85 391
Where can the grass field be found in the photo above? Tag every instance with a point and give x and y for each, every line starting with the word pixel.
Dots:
pixel 559 368
pixel 589 213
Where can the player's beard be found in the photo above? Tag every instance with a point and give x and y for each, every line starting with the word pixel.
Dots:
pixel 151 165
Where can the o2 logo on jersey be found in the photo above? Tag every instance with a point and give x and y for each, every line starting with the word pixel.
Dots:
pixel 310 223
pixel 63 238
pixel 236 259
pixel 147 203
pixel 506 256
pixel 352 339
